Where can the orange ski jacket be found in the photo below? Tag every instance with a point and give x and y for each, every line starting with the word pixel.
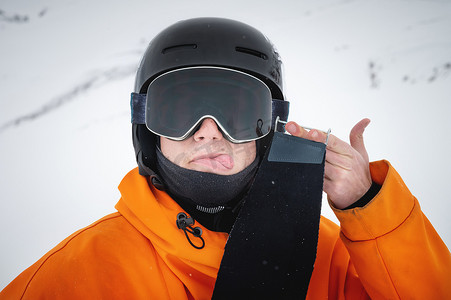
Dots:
pixel 385 250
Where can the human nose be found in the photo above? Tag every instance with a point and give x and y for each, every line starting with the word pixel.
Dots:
pixel 208 130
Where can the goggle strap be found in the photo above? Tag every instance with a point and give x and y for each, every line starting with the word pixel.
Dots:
pixel 138 108
pixel 280 108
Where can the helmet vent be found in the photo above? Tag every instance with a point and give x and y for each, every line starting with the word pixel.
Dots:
pixel 252 52
pixel 179 47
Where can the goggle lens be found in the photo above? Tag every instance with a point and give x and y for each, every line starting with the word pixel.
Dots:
pixel 179 100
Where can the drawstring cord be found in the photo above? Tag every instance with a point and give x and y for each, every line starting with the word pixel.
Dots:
pixel 184 222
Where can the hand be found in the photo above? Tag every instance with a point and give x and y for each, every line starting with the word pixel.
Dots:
pixel 346 174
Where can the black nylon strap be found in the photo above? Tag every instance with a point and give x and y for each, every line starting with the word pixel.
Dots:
pixel 286 148
pixel 280 108
pixel 271 249
pixel 138 108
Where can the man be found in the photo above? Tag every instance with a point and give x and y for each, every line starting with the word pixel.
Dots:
pixel 225 205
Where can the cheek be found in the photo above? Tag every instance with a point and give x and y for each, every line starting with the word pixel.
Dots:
pixel 246 153
pixel 172 150
pixel 251 152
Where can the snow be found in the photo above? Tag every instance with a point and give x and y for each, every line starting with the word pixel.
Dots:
pixel 67 68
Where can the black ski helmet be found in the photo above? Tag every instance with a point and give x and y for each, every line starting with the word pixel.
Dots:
pixel 203 42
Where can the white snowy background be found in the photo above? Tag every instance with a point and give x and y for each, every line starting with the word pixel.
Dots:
pixel 67 69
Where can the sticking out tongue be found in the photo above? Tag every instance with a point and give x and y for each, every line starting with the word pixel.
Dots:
pixel 225 160
pixel 220 162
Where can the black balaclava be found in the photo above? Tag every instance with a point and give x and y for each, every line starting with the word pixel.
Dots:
pixel 206 195
pixel 216 214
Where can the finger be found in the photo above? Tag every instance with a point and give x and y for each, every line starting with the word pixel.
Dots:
pixel 338 146
pixel 295 129
pixel 356 137
pixel 339 160
pixel 317 136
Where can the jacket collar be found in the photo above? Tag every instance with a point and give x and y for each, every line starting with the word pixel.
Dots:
pixel 154 213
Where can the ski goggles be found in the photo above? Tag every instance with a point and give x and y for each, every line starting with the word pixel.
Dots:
pixel 178 101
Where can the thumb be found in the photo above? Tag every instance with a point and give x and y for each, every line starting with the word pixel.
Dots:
pixel 356 137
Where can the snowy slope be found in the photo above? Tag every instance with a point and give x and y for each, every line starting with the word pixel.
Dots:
pixel 66 72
